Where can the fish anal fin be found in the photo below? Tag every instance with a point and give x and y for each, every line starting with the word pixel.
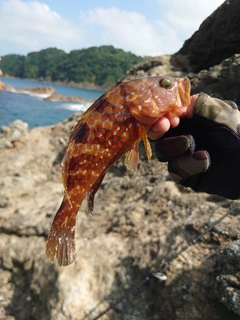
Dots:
pixel 132 159
pixel 92 192
pixel 148 148
pixel 60 246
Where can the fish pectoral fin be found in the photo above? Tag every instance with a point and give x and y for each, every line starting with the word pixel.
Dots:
pixel 132 159
pixel 91 194
pixel 148 148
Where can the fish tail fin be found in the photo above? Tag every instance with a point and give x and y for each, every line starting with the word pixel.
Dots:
pixel 60 246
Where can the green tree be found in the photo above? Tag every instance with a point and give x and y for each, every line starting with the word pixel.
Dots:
pixel 99 65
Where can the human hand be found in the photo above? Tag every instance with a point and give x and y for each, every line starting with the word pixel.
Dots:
pixel 203 151
pixel 165 123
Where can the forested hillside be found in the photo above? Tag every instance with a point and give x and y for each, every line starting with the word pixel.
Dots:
pixel 99 65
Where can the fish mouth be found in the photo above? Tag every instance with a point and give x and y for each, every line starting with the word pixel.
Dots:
pixel 184 88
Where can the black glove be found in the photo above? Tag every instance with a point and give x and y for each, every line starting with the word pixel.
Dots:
pixel 203 152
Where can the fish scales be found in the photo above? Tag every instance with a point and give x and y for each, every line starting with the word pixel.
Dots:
pixel 113 126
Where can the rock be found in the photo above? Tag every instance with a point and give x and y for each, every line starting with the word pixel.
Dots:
pixel 221 81
pixel 38 90
pixel 47 93
pixel 217 39
pixel 13 133
pixel 151 66
pixel 2 85
pixel 58 97
pixel 138 223
pixel 5 87
pixel 228 282
pixel 213 69
pixel 5 143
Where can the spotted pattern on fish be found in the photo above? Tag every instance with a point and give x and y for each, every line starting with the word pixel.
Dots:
pixel 113 126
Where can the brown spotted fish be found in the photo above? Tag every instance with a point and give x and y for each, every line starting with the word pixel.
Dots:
pixel 113 126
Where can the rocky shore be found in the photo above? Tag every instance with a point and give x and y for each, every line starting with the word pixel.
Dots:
pixel 3 86
pixel 139 221
pixel 47 93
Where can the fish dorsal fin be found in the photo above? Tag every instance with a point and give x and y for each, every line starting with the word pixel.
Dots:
pixel 132 159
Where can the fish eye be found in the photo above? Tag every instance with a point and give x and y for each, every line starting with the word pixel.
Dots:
pixel 166 83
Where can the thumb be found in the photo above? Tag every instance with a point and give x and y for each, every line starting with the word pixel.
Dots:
pixel 190 108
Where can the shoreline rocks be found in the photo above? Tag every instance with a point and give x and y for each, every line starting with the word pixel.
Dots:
pixel 6 87
pixel 58 97
pixel 217 39
pixel 46 93
pixel 221 81
pixel 139 221
pixel 82 85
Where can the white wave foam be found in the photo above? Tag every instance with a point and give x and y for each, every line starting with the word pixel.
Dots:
pixel 37 95
pixel 29 93
pixel 87 105
pixel 73 106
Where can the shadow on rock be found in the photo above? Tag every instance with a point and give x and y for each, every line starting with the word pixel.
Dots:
pixel 30 289
pixel 191 290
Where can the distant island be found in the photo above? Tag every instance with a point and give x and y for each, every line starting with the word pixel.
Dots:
pixel 100 66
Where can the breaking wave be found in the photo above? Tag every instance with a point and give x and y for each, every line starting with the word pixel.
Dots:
pixel 76 106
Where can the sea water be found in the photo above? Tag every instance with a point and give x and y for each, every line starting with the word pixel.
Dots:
pixel 31 108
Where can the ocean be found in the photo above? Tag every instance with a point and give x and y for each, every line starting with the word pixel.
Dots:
pixel 31 108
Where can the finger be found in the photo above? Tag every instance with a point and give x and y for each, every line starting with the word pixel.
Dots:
pixel 185 168
pixel 174 121
pixel 175 147
pixel 159 128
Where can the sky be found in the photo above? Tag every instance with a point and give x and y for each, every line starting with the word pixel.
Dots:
pixel 143 27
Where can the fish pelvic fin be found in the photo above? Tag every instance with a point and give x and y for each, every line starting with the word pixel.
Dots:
pixel 60 246
pixel 143 135
pixel 132 156
pixel 132 159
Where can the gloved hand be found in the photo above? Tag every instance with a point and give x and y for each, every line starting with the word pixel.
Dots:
pixel 203 152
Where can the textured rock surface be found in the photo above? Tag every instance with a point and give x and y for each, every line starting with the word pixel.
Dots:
pixel 138 222
pixel 218 38
pixel 222 80
pixel 210 58
pixel 160 65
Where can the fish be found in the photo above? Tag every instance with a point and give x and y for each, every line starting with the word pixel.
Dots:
pixel 112 127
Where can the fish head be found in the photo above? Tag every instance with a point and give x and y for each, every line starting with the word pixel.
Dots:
pixel 150 98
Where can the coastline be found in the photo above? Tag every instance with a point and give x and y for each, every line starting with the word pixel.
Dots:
pixel 46 90
pixel 82 85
